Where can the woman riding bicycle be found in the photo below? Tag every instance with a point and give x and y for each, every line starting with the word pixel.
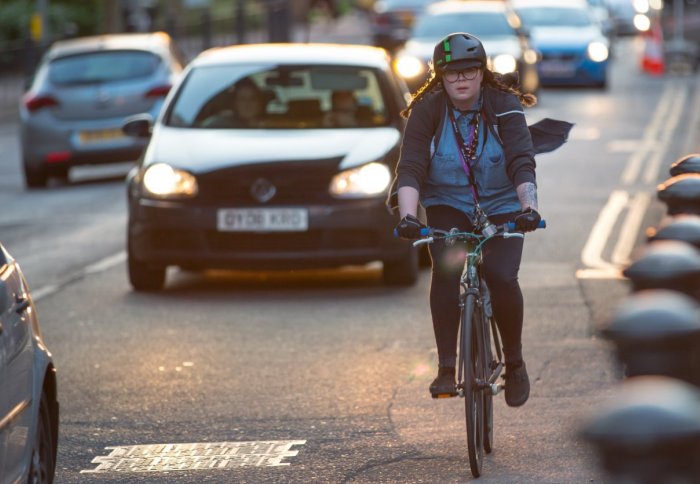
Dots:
pixel 467 142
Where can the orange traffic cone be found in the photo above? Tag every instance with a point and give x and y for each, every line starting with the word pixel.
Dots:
pixel 653 56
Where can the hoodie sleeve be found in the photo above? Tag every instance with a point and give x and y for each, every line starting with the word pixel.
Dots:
pixel 516 138
pixel 414 158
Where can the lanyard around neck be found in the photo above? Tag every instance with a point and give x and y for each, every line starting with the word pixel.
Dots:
pixel 467 151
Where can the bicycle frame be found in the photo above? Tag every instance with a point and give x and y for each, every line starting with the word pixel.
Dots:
pixel 471 282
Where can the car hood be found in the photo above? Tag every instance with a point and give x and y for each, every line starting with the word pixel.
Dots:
pixel 200 151
pixel 423 47
pixel 542 37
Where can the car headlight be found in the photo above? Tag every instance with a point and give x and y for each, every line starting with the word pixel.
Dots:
pixel 597 51
pixel 641 22
pixel 408 66
pixel 366 180
pixel 504 63
pixel 530 56
pixel 162 180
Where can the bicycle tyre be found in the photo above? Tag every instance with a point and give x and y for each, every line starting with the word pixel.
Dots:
pixel 488 396
pixel 470 349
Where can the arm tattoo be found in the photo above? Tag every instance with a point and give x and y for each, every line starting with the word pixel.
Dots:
pixel 527 194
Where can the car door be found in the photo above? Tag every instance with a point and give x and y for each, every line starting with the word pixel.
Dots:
pixel 16 376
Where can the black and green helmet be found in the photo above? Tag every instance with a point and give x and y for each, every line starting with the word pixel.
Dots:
pixel 459 51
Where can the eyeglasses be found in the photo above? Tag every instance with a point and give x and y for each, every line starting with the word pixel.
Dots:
pixel 469 74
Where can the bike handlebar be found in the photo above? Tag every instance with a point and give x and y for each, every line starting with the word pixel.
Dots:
pixel 504 230
pixel 506 227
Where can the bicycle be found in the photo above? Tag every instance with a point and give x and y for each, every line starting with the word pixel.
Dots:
pixel 478 369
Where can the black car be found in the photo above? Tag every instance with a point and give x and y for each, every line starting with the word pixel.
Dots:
pixel 271 157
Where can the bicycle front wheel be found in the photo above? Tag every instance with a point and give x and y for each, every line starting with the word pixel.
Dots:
pixel 490 365
pixel 471 352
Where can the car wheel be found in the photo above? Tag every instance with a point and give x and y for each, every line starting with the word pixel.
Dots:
pixel 144 276
pixel 34 177
pixel 401 272
pixel 43 465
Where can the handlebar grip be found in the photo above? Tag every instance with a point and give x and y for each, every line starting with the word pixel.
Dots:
pixel 424 232
pixel 541 225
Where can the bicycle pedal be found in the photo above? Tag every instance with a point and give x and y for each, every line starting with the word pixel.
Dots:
pixel 444 395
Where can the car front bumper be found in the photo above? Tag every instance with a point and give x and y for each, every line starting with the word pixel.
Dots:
pixel 351 232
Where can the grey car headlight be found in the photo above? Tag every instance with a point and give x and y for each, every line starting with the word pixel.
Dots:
pixel 364 181
pixel 163 180
pixel 504 63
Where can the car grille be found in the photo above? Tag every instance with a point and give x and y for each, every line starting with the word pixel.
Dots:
pixel 295 182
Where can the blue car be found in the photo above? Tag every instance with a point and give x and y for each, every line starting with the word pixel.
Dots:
pixel 574 48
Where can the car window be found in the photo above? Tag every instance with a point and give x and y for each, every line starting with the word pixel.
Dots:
pixel 279 97
pixel 481 24
pixel 100 67
pixel 554 17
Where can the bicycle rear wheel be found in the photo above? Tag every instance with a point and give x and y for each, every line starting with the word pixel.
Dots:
pixel 472 369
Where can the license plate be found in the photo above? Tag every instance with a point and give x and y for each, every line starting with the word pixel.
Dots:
pixel 262 220
pixel 100 136
pixel 557 68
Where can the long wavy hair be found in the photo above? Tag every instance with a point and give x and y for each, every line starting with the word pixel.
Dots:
pixel 502 82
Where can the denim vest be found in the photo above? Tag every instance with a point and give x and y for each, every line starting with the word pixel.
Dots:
pixel 447 182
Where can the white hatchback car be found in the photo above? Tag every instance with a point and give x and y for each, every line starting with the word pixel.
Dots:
pixel 28 403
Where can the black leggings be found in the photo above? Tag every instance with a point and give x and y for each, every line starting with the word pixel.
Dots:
pixel 500 267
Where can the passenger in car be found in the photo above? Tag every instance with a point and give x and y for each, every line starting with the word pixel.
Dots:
pixel 343 113
pixel 242 105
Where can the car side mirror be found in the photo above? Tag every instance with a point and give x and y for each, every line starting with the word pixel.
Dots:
pixel 138 126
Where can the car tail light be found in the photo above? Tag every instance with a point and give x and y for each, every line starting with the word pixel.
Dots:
pixel 35 102
pixel 58 156
pixel 158 91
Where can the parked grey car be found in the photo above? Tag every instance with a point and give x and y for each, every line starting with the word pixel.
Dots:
pixel 81 93
pixel 271 157
pixel 28 404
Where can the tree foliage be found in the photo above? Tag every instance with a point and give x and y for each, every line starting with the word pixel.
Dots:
pixel 65 18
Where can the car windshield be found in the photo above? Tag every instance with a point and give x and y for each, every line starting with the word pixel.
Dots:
pixel 481 24
pixel 100 67
pixel 554 17
pixel 279 97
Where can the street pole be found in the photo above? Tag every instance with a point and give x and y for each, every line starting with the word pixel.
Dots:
pixel 240 22
pixel 42 8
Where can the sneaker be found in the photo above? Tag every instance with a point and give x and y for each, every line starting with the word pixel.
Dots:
pixel 444 384
pixel 517 385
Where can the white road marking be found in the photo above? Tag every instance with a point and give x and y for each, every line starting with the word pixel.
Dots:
pixel 649 139
pixel 194 456
pixel 593 250
pixel 664 139
pixel 99 266
pixel 646 160
pixel 630 228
